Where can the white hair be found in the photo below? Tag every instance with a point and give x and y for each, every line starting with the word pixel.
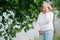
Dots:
pixel 47 4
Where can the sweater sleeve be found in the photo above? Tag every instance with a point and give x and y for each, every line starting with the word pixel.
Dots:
pixel 49 17
pixel 38 23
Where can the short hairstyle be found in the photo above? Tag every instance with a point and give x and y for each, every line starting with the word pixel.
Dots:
pixel 47 4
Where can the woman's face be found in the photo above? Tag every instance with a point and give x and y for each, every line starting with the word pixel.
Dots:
pixel 45 9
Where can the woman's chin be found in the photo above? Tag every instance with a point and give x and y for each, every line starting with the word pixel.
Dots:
pixel 43 11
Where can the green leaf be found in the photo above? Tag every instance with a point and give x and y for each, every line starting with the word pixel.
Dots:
pixel 5 37
pixel 0 26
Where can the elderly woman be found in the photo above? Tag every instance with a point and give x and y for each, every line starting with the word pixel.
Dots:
pixel 45 23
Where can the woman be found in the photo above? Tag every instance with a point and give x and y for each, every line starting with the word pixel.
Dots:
pixel 45 23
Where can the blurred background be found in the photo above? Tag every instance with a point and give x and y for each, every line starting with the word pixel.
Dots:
pixel 18 19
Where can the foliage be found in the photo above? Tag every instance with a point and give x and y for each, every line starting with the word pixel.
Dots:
pixel 17 15
pixel 56 37
pixel 56 4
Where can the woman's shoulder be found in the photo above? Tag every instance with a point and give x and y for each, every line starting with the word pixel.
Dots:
pixel 40 13
pixel 51 12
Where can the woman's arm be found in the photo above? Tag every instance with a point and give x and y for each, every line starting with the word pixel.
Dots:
pixel 49 17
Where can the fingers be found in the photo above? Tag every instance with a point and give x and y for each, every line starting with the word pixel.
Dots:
pixel 40 32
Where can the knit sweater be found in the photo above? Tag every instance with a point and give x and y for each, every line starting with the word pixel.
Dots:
pixel 45 21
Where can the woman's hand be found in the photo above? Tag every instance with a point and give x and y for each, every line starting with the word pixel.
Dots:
pixel 40 32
